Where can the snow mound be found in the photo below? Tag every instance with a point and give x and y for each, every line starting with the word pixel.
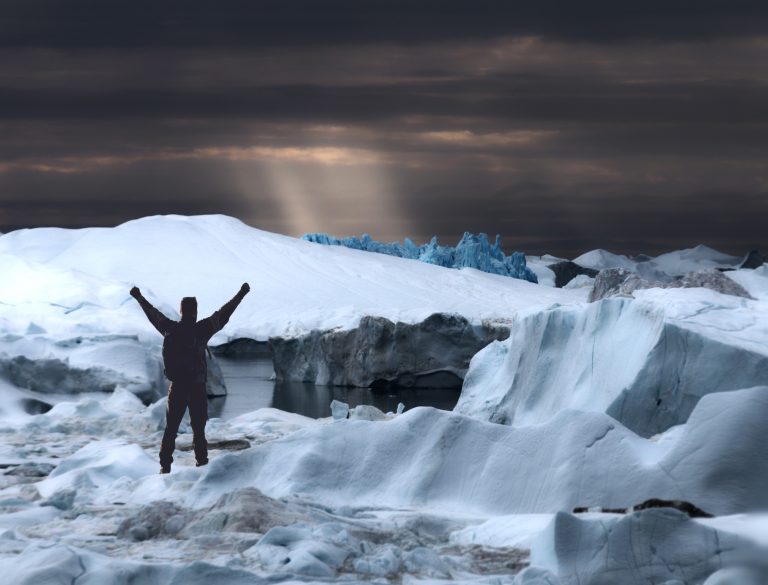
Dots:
pixel 602 259
pixel 694 259
pixel 645 362
pixel 100 464
pixel 674 263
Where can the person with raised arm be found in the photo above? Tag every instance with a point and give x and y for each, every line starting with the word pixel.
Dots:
pixel 184 346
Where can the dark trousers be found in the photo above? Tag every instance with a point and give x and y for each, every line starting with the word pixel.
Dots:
pixel 183 395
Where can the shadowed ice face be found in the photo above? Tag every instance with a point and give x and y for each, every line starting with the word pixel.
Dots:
pixel 189 309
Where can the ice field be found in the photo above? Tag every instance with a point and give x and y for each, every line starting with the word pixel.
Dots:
pixel 661 394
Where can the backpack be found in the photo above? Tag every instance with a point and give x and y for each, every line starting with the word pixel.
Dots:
pixel 182 357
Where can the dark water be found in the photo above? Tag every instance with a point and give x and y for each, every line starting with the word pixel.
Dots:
pixel 249 388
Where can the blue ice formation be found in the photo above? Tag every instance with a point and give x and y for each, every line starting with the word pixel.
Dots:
pixel 472 251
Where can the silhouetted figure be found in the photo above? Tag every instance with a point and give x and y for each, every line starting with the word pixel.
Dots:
pixel 184 347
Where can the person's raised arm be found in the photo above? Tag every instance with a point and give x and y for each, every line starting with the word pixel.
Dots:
pixel 216 322
pixel 160 321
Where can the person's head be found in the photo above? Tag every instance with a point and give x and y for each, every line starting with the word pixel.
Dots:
pixel 189 309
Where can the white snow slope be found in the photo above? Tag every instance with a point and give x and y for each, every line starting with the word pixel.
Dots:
pixel 77 281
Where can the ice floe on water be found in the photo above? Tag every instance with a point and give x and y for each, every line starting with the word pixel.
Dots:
pixel 606 406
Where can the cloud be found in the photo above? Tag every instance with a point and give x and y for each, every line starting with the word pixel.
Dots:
pixel 241 23
pixel 563 126
pixel 324 155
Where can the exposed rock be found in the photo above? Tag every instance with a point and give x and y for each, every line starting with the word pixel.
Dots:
pixel 35 406
pixel 682 506
pixel 685 507
pixel 222 444
pixel 566 271
pixel 621 282
pixel 380 353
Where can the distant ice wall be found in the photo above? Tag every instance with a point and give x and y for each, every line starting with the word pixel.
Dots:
pixel 472 251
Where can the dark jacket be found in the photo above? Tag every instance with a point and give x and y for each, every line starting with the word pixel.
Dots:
pixel 203 329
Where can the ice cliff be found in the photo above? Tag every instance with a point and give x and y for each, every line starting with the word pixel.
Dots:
pixel 646 361
pixel 379 353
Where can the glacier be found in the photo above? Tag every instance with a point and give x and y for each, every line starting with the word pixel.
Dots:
pixel 605 405
pixel 472 251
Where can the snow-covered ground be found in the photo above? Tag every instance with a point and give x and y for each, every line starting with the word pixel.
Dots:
pixel 606 405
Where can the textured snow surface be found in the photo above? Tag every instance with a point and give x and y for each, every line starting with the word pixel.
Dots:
pixel 591 461
pixel 426 495
pixel 104 515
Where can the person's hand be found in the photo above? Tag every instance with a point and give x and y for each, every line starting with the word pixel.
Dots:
pixel 135 292
pixel 245 289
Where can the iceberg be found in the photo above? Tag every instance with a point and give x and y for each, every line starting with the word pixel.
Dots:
pixel 472 251
pixel 68 324
pixel 646 361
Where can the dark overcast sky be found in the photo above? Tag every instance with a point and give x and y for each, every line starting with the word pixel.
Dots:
pixel 563 126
